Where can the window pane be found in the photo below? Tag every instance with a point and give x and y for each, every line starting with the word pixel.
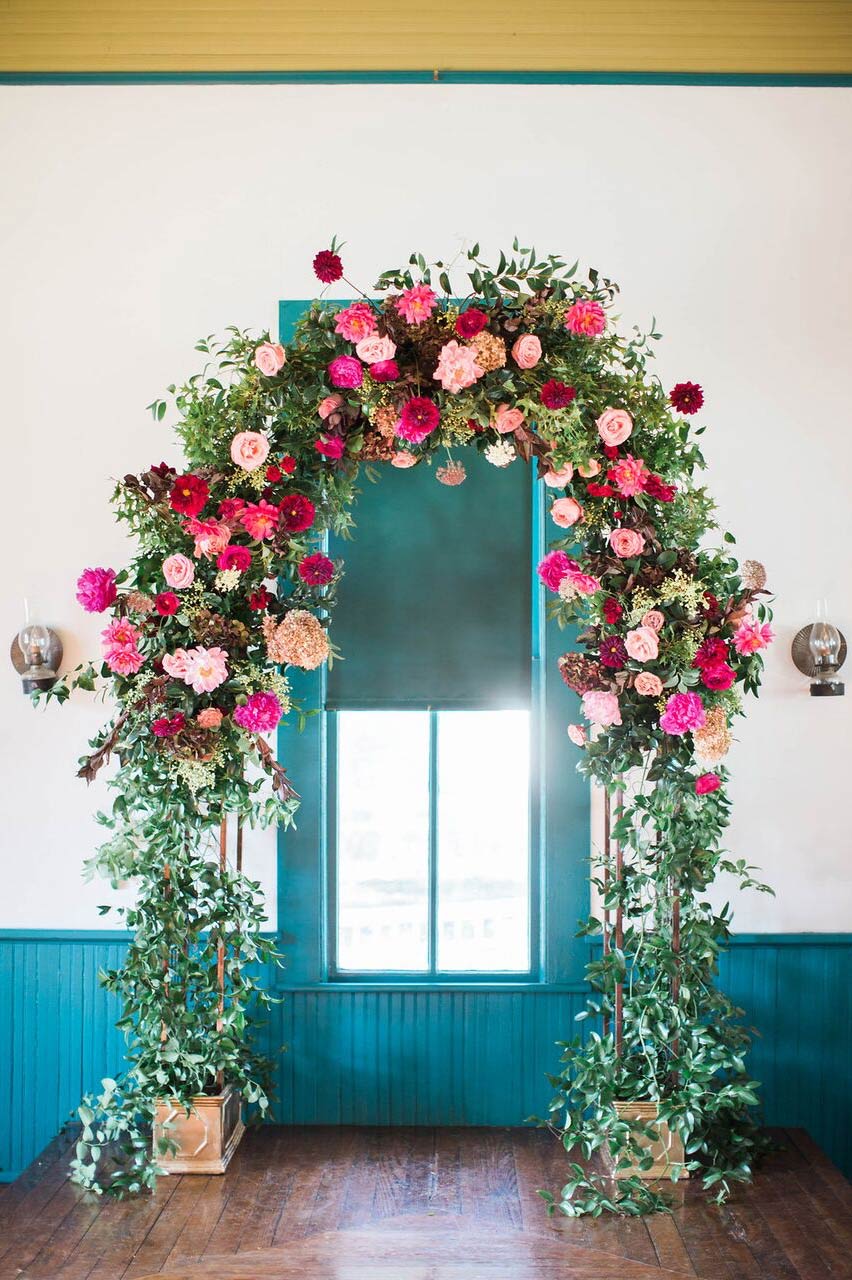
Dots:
pixel 483 841
pixel 383 840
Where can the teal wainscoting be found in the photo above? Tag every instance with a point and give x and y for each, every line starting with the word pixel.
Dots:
pixel 406 1055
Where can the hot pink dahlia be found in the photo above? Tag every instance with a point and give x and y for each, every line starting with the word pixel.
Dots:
pixel 356 322
pixel 586 318
pixel 417 304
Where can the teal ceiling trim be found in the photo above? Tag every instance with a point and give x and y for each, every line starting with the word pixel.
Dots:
pixel 720 79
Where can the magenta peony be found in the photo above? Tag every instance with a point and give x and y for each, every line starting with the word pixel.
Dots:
pixel 234 558
pixel 418 419
pixel 684 712
pixel 345 371
pixel 718 676
pixel 586 318
pixel 601 708
pixel 417 304
pixel 555 566
pixel 260 714
pixel 384 371
pixel 96 589
pixel 356 323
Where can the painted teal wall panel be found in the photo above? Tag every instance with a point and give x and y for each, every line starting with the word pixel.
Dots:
pixel 408 1055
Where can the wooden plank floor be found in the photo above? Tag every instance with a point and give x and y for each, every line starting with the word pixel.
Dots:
pixel 417 1204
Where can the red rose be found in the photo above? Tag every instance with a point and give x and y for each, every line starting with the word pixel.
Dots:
pixel 712 649
pixel 471 322
pixel 273 474
pixel 234 558
pixel 556 395
pixel 316 570
pixel 600 490
pixel 611 451
pixel 686 397
pixel 230 508
pixel 288 465
pixel 189 494
pixel 706 783
pixel 297 513
pixel 612 610
pixel 718 676
pixel 384 371
pixel 166 603
pixel 327 266
pixel 258 600
pixel 656 487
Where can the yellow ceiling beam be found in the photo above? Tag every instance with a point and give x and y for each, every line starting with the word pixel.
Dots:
pixel 796 37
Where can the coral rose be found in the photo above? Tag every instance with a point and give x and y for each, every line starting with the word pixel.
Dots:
pixel 328 405
pixel 249 450
pixel 209 718
pixel 589 469
pixel 178 571
pixel 557 479
pixel 565 512
pixel 614 426
pixel 626 543
pixel 647 685
pixel 507 420
pixel 269 358
pixel 526 352
pixel 642 644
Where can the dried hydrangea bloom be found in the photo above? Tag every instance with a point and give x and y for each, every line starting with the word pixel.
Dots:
pixel 138 602
pixel 713 741
pixel 386 420
pixel 299 639
pixel 753 575
pixel 490 351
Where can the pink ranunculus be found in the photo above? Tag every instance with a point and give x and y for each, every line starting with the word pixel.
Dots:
pixel 269 358
pixel 328 405
pixel 614 426
pixel 526 352
pixel 176 664
pixel 260 519
pixel 507 420
pixel 559 479
pixel 626 543
pixel 577 734
pixel 417 304
pixel 647 685
pixel 249 450
pixel 178 571
pixel 403 460
pixel 211 536
pixel 457 367
pixel 375 350
pixel 684 712
pixel 642 644
pixel 589 469
pixel 565 512
pixel 555 566
pixel 209 718
pixel 345 371
pixel 600 707
pixel 706 783
pixel 653 619
pixel 751 636
pixel 586 317
pixel 260 714
pixel 96 589
pixel 206 669
pixel 629 475
pixel 356 323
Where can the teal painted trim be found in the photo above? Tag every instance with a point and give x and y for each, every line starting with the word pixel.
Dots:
pixel 65 935
pixel 712 79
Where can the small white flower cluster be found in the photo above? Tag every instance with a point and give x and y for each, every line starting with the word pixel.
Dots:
pixel 227 579
pixel 501 453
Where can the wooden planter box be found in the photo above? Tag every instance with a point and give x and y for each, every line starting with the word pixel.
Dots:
pixel 667 1151
pixel 206 1138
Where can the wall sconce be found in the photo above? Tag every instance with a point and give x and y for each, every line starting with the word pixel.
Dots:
pixel 819 651
pixel 36 654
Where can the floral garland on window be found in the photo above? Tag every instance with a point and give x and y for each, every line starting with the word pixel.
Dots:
pixel 231 587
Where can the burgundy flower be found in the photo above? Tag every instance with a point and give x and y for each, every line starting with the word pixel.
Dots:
pixel 613 652
pixel 686 397
pixel 288 464
pixel 316 570
pixel 162 470
pixel 471 322
pixel 718 676
pixel 384 371
pixel 711 605
pixel 612 610
pixel 656 488
pixel 273 473
pixel 297 513
pixel 230 508
pixel 327 266
pixel 611 451
pixel 556 395
pixel 167 728
pixel 599 490
pixel 419 417
pixel 189 494
pixel 712 649
pixel 258 600
pixel 166 603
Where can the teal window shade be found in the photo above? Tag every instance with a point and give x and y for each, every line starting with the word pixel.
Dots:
pixel 434 609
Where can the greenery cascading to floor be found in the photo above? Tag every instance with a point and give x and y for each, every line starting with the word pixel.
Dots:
pixel 230 587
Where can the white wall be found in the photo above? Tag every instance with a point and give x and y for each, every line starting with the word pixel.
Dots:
pixel 135 219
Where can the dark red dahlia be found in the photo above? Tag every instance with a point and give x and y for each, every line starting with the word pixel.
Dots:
pixel 656 488
pixel 163 470
pixel 471 322
pixel 231 508
pixel 687 397
pixel 258 600
pixel 718 676
pixel 613 652
pixel 419 417
pixel 297 513
pixel 316 570
pixel 327 266
pixel 612 610
pixel 189 494
pixel 712 649
pixel 166 603
pixel 600 490
pixel 556 395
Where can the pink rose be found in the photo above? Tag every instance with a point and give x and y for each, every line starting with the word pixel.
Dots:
pixel 507 420
pixel 589 469
pixel 269 358
pixel 328 405
pixel 527 351
pixel 249 450
pixel 403 460
pixel 176 664
pixel 654 619
pixel 626 543
pixel 647 685
pixel 374 350
pixel 457 367
pixel 642 644
pixel 178 571
pixel 559 479
pixel 684 712
pixel 601 708
pixel 614 426
pixel 577 734
pixel 565 512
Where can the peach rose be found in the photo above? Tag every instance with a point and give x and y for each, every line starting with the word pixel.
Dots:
pixel 403 459
pixel 375 349
pixel 507 420
pixel 565 512
pixel 589 469
pixel 559 479
pixel 327 406
pixel 653 619
pixel 209 718
pixel 249 450
pixel 577 734
pixel 642 644
pixel 614 426
pixel 527 351
pixel 178 571
pixel 626 543
pixel 269 357
pixel 647 685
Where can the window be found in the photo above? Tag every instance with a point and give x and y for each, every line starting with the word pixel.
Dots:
pixel 432 868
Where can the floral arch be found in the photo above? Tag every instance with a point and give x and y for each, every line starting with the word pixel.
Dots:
pixel 231 585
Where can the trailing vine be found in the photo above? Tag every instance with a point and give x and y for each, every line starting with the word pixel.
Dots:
pixel 231 586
